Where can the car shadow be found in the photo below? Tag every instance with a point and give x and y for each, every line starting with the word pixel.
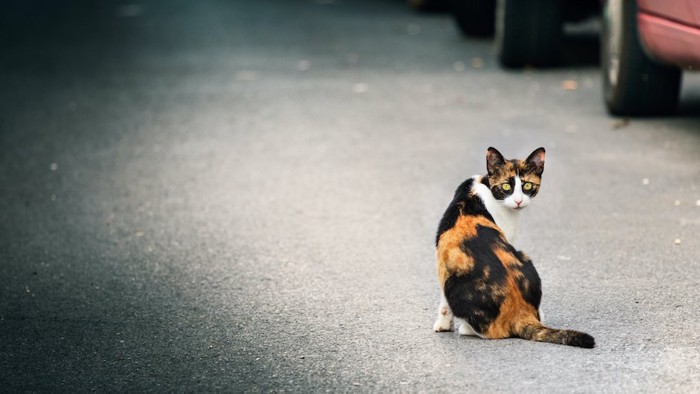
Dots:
pixel 689 104
pixel 689 109
pixel 581 49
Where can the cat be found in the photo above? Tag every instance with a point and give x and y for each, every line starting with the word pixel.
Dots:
pixel 493 289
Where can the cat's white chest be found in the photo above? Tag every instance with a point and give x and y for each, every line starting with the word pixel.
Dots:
pixel 506 218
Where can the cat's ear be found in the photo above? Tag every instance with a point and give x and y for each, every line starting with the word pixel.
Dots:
pixel 536 161
pixel 494 159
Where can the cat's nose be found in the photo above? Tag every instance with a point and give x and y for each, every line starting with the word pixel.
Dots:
pixel 518 202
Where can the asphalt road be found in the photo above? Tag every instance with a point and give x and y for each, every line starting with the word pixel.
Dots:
pixel 243 195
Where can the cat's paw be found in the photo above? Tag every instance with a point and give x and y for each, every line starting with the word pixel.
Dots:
pixel 443 324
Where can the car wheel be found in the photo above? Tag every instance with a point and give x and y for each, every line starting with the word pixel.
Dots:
pixel 475 17
pixel 529 32
pixel 632 83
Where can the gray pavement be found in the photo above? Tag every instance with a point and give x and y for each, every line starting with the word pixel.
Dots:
pixel 242 196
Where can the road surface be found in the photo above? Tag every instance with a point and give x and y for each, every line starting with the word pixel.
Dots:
pixel 242 196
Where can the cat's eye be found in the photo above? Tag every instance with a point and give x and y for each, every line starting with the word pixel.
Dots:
pixel 527 186
pixel 505 186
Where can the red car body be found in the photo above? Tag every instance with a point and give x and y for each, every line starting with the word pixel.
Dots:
pixel 670 31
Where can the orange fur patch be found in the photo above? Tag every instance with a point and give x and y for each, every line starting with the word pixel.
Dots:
pixel 514 310
pixel 503 174
pixel 451 259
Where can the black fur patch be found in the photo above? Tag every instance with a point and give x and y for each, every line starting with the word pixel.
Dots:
pixel 532 192
pixel 529 284
pixel 581 339
pixel 485 181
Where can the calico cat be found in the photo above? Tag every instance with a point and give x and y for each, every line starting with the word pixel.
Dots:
pixel 487 284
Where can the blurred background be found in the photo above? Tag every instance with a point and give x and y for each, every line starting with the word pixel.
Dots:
pixel 225 195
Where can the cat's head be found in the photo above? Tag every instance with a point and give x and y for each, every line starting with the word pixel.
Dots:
pixel 514 182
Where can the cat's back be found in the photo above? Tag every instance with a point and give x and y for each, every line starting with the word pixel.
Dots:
pixel 467 234
pixel 466 205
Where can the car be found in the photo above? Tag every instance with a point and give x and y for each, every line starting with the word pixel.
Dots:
pixel 646 45
pixel 527 32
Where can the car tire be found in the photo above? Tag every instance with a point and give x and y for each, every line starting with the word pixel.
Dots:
pixel 475 17
pixel 529 32
pixel 633 84
pixel 428 5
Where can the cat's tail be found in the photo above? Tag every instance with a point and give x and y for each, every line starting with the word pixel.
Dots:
pixel 533 330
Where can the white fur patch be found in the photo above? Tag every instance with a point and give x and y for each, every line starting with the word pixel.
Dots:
pixel 517 200
pixel 506 217
pixel 466 329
